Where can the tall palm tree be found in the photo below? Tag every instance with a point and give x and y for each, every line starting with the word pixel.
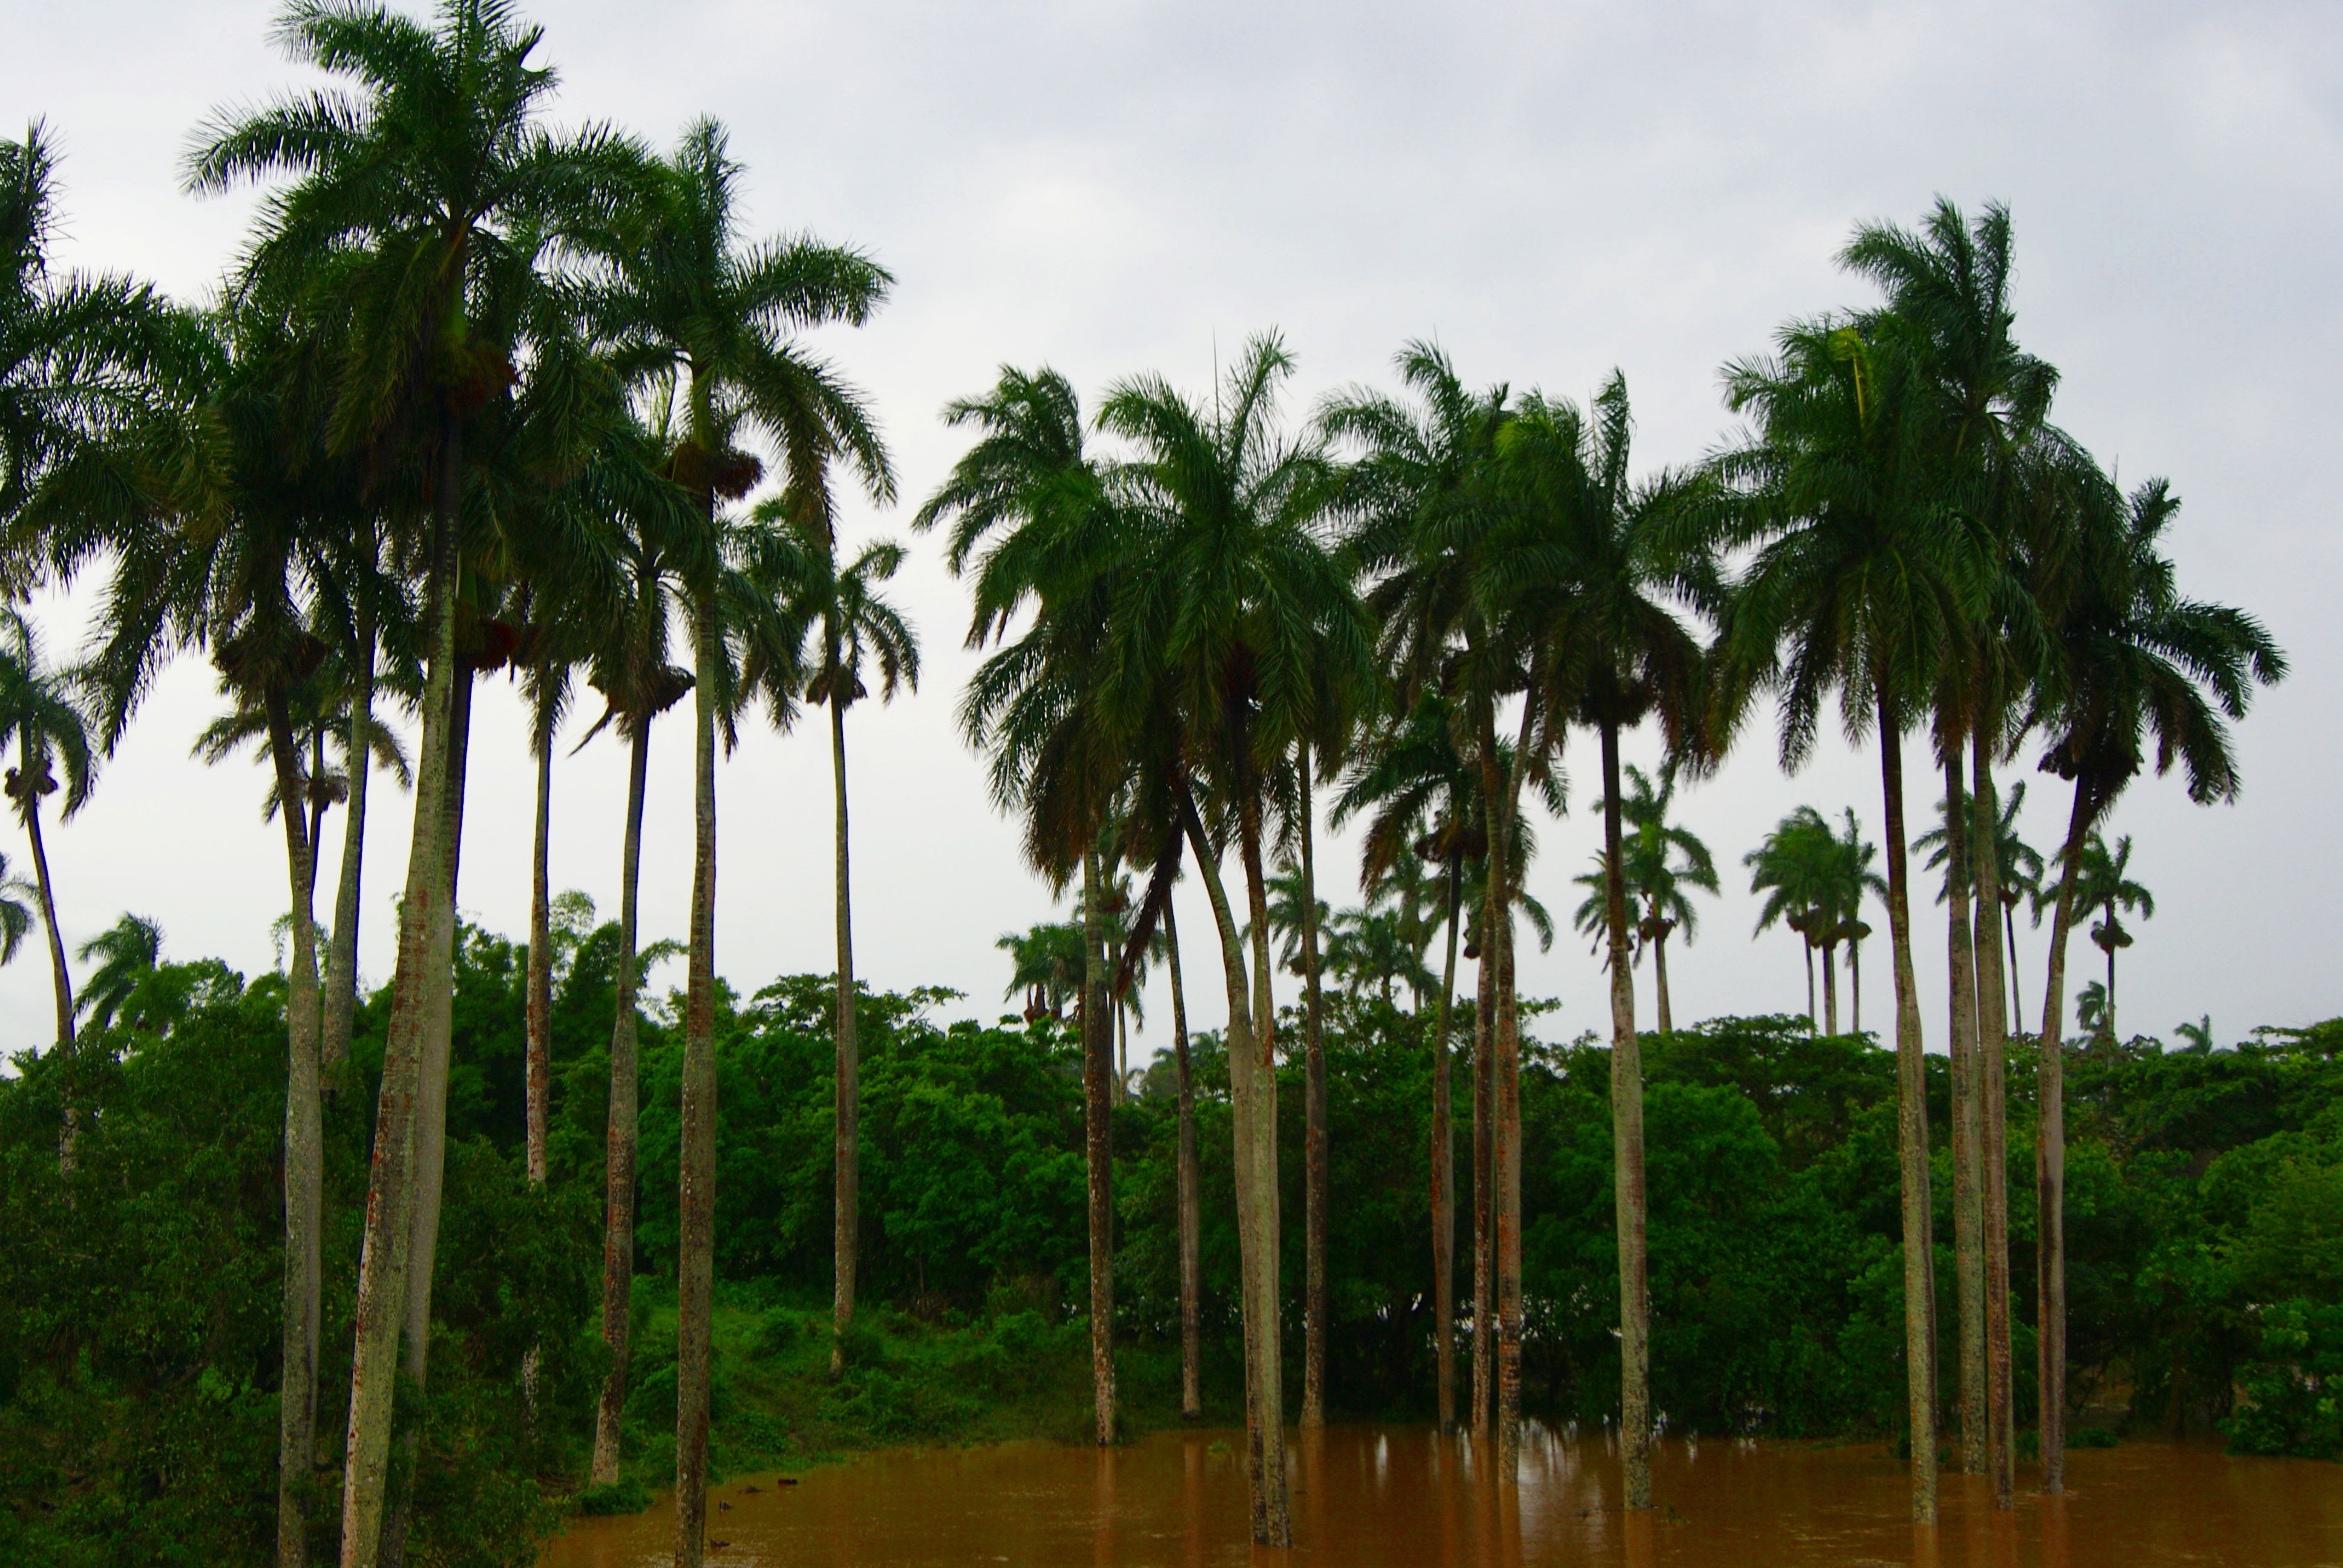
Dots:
pixel 1420 503
pixel 1610 651
pixel 410 192
pixel 127 952
pixel 1850 883
pixel 2130 659
pixel 1854 584
pixel 1033 527
pixel 853 628
pixel 1659 884
pixel 1046 968
pixel 1948 286
pixel 2103 882
pixel 1241 626
pixel 1796 869
pixel 691 305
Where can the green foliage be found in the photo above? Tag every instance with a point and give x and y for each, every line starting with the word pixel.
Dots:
pixel 138 1298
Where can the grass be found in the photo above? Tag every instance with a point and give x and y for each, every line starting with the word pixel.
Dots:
pixel 1014 1372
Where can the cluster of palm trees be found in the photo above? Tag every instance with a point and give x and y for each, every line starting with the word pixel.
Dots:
pixel 481 395
pixel 1198 617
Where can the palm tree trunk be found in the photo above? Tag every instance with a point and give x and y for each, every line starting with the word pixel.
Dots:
pixel 1660 980
pixel 342 960
pixel 1830 987
pixel 2050 1165
pixel 317 808
pixel 1627 1158
pixel 2112 1036
pixel 618 1160
pixel 1315 1155
pixel 540 955
pixel 847 1219
pixel 1968 1206
pixel 426 952
pixel 1814 1019
pixel 1484 1084
pixel 1993 1150
pixel 431 1126
pixel 1443 1167
pixel 1912 1087
pixel 1505 1162
pixel 2016 991
pixel 297 1407
pixel 1855 980
pixel 1192 1337
pixel 61 979
pixel 1252 1096
pixel 696 1249
pixel 1097 1065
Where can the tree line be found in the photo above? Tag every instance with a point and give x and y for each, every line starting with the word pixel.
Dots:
pixel 486 395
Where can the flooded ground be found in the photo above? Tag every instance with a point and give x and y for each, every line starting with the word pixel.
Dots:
pixel 1398 1495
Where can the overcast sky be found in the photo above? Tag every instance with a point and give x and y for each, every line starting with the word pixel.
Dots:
pixel 1549 190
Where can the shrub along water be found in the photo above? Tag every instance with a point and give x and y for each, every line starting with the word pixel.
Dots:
pixel 139 1293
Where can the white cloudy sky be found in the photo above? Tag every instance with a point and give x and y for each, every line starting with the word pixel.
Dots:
pixel 1552 190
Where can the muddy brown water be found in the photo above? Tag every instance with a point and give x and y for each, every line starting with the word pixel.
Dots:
pixel 1400 1495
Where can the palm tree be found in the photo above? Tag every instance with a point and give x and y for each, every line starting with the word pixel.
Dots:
pixel 1949 290
pixel 1421 512
pixel 1047 962
pixel 2200 1036
pixel 1657 882
pixel 80 361
pixel 2129 657
pixel 1032 523
pixel 856 628
pixel 2103 883
pixel 690 306
pixel 127 952
pixel 630 667
pixel 1610 651
pixel 1796 869
pixel 1854 584
pixel 410 198
pixel 41 721
pixel 1850 881
pixel 1243 627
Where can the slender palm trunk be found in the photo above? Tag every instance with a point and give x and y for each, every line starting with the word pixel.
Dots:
pixel 296 1411
pixel 1854 980
pixel 1814 1019
pixel 1505 1159
pixel 1993 1149
pixel 540 954
pixel 1660 980
pixel 1627 1158
pixel 431 1129
pixel 1968 1205
pixel 619 1158
pixel 696 1252
pixel 1315 1153
pixel 2112 1036
pixel 1830 987
pixel 1485 1083
pixel 1252 1095
pixel 342 960
pixel 2016 991
pixel 1912 1088
pixel 61 979
pixel 846 1218
pixel 1098 1145
pixel 2050 1164
pixel 1191 1337
pixel 426 952
pixel 1443 1167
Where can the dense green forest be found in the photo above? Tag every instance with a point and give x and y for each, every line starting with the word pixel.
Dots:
pixel 137 1355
